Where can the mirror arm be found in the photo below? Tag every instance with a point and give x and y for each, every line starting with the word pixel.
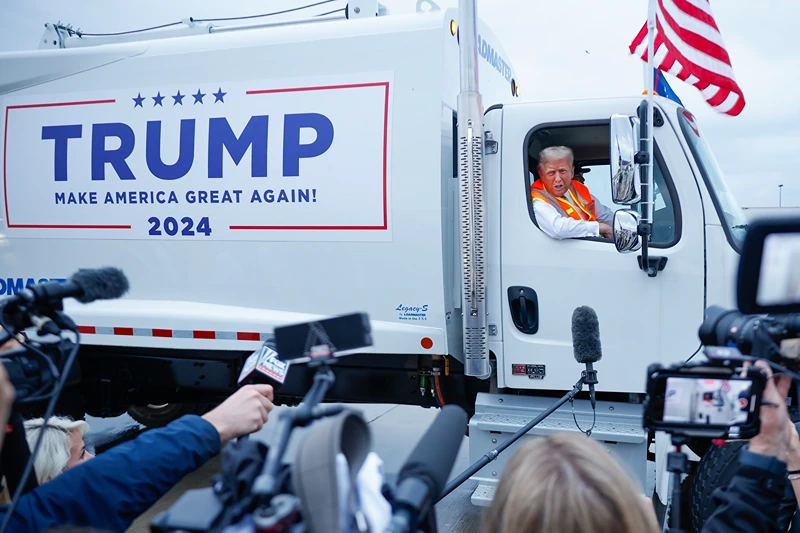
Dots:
pixel 644 260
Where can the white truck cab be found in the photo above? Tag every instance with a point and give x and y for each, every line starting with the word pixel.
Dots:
pixel 246 177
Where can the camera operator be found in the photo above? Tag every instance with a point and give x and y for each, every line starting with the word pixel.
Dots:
pixel 111 491
pixel 752 500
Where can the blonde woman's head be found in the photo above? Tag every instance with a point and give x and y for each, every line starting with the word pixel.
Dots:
pixel 62 446
pixel 567 482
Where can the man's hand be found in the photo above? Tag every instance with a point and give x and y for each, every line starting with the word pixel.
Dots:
pixel 774 437
pixel 244 412
pixel 606 231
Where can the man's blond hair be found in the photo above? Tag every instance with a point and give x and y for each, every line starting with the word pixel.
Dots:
pixel 54 452
pixel 566 482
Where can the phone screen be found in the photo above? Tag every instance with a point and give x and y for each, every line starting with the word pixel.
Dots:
pixel 708 401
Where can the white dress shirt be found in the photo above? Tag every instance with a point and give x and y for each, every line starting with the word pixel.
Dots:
pixel 557 226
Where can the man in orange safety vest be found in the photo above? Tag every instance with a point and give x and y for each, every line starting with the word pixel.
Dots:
pixel 565 209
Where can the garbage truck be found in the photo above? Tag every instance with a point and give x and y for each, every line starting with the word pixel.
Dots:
pixel 247 174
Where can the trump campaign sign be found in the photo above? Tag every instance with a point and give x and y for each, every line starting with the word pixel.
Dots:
pixel 272 160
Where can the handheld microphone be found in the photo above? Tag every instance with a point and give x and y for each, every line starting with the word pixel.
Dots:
pixel 263 366
pixel 86 285
pixel 586 344
pixel 424 474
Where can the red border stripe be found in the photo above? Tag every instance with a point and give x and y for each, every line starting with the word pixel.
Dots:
pixel 123 331
pixel 162 333
pixel 202 334
pixel 385 85
pixel 5 172
pixel 89 330
pixel 248 336
pixel 319 88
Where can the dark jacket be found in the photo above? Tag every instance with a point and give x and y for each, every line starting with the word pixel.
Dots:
pixel 110 491
pixel 752 500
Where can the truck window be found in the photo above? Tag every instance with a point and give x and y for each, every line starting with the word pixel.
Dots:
pixel 590 144
pixel 731 215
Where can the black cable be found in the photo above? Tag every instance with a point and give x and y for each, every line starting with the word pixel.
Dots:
pixel 265 14
pixel 82 34
pixel 695 353
pixel 222 19
pixel 587 432
pixel 331 12
pixel 48 414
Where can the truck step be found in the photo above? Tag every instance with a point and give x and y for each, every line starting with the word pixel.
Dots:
pixel 618 429
pixel 483 495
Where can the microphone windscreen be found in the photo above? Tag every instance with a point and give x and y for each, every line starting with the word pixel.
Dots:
pixel 100 284
pixel 586 335
pixel 435 454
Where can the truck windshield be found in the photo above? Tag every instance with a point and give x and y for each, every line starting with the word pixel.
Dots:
pixel 728 209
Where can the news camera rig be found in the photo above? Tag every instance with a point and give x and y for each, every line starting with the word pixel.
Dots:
pixel 44 362
pixel 266 497
pixel 765 327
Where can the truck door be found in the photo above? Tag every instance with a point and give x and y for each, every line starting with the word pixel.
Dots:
pixel 642 319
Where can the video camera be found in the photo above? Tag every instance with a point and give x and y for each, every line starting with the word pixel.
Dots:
pixel 718 398
pixel 45 360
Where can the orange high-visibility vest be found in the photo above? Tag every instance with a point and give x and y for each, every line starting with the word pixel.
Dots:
pixel 579 194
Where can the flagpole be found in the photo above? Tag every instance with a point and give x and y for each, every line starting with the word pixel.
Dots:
pixel 647 188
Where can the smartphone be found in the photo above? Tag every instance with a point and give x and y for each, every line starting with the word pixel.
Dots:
pixel 704 402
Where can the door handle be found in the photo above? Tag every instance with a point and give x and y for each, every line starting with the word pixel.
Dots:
pixel 524 306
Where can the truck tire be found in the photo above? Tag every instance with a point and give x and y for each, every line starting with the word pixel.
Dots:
pixel 716 469
pixel 156 416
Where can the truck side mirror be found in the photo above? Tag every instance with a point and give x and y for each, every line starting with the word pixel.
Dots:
pixel 625 187
pixel 626 231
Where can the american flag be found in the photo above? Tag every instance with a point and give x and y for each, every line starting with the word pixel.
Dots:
pixel 726 387
pixel 689 46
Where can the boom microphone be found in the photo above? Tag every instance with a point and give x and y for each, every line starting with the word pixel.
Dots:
pixel 86 285
pixel 586 343
pixel 424 474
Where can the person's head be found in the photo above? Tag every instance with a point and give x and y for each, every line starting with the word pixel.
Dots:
pixel 555 169
pixel 566 482
pixel 62 446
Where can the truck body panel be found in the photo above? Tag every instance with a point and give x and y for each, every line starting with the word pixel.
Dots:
pixel 351 228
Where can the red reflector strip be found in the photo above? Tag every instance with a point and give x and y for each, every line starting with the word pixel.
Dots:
pixel 176 333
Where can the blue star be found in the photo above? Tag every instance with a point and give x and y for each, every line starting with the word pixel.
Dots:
pixel 198 97
pixel 178 98
pixel 158 99
pixel 139 99
pixel 218 96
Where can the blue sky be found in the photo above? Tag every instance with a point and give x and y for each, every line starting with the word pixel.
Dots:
pixel 562 49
